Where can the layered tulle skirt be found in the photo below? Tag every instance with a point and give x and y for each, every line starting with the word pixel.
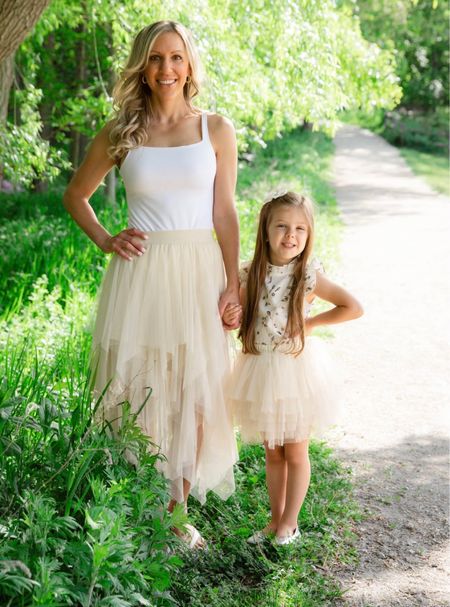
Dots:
pixel 159 339
pixel 279 398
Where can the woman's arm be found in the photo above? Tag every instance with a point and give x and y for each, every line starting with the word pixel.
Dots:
pixel 225 219
pixel 346 307
pixel 83 184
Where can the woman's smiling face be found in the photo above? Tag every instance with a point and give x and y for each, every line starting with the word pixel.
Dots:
pixel 168 66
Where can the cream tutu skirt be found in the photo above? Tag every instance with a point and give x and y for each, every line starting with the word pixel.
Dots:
pixel 158 332
pixel 280 398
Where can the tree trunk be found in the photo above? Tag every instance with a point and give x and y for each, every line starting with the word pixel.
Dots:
pixel 6 79
pixel 17 19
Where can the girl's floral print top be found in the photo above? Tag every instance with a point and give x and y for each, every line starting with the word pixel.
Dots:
pixel 274 302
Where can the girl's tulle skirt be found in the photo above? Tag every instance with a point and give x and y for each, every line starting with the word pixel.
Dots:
pixel 158 332
pixel 279 398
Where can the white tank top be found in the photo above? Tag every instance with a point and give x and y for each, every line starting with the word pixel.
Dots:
pixel 171 188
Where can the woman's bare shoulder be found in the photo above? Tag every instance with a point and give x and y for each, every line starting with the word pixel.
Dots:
pixel 221 131
pixel 219 124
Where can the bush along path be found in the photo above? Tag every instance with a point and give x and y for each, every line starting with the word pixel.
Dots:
pixel 80 525
pixel 395 254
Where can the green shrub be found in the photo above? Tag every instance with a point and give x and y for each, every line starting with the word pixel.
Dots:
pixel 79 524
pixel 408 128
pixel 37 236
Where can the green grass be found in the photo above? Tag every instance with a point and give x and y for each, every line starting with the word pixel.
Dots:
pixel 434 168
pixel 233 574
pixel 79 525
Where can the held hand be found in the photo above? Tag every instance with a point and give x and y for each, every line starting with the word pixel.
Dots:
pixel 232 316
pixel 126 244
pixel 229 296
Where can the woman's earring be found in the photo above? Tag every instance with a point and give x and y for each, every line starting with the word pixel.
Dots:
pixel 144 80
pixel 188 79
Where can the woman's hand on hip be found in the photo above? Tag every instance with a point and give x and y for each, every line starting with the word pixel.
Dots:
pixel 126 244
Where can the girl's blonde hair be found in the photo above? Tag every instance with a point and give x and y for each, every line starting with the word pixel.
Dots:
pixel 258 270
pixel 133 98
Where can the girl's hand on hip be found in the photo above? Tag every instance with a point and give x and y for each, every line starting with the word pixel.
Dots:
pixel 126 244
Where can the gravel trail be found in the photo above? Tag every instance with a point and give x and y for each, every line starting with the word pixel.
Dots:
pixel 396 365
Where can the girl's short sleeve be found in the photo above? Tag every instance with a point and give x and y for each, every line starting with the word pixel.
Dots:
pixel 310 280
pixel 243 273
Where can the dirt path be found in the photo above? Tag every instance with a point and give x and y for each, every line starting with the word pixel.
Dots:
pixel 395 257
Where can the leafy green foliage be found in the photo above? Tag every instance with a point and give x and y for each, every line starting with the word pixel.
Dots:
pixel 24 155
pixel 417 32
pixel 270 66
pixel 79 523
pixel 427 132
pixel 51 243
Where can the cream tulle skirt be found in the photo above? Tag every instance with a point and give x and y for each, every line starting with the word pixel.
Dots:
pixel 158 331
pixel 280 398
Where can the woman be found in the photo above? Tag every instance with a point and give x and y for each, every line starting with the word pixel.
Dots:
pixel 159 334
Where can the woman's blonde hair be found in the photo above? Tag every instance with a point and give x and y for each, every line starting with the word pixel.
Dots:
pixel 258 270
pixel 133 98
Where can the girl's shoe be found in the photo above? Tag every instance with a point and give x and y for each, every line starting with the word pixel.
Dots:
pixel 285 540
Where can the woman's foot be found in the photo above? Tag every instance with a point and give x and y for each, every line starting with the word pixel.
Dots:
pixel 191 537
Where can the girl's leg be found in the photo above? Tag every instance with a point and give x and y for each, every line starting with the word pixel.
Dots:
pixel 298 477
pixel 276 477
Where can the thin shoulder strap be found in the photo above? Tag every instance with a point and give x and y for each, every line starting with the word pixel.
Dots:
pixel 205 132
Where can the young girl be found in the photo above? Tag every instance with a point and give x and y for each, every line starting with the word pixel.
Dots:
pixel 281 388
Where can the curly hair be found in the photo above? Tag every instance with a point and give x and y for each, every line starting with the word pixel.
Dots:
pixel 133 98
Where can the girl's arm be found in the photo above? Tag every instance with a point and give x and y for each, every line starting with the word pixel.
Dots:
pixel 225 218
pixel 346 307
pixel 83 184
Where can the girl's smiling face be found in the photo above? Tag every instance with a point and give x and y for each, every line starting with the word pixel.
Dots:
pixel 287 233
